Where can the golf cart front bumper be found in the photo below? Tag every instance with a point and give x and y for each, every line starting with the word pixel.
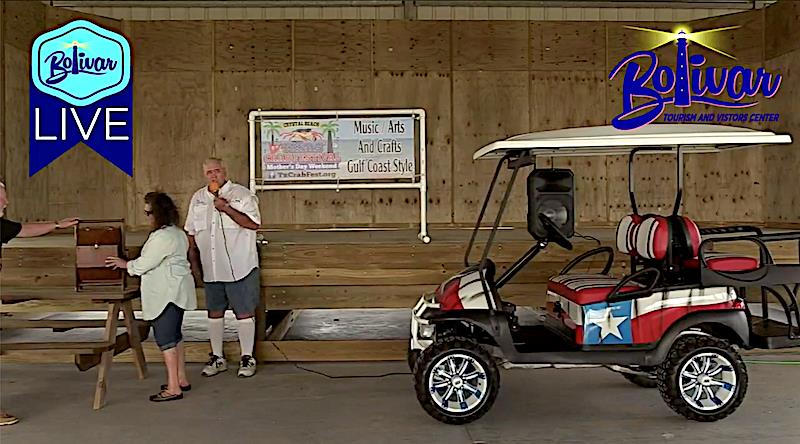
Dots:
pixel 421 328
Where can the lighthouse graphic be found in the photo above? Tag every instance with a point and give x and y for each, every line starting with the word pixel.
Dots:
pixel 683 96
pixel 681 36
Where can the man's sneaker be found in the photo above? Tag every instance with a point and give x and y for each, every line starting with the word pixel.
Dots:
pixel 247 367
pixel 214 365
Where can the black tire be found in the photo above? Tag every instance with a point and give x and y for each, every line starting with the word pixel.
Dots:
pixel 642 380
pixel 435 354
pixel 411 357
pixel 669 377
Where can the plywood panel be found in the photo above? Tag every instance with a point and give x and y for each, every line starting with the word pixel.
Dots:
pixel 412 45
pixel 27 195
pixel 332 45
pixel 782 30
pixel 333 90
pixel 172 137
pixel 725 187
pixel 782 163
pixel 242 92
pixel 655 185
pixel 172 46
pixel 490 46
pixel 623 41
pixel 430 91
pixel 567 45
pixel 58 16
pixel 591 188
pixel 253 45
pixel 567 99
pixel 83 184
pixel 746 43
pixel 23 21
pixel 487 106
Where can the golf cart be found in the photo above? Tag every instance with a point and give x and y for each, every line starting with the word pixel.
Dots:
pixel 675 322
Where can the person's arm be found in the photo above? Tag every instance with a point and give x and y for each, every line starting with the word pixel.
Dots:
pixel 248 217
pixel 237 216
pixel 33 229
pixel 194 261
pixel 155 250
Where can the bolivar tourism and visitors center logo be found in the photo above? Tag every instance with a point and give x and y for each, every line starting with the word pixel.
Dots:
pixel 649 86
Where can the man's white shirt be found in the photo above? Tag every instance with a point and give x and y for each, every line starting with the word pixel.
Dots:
pixel 213 231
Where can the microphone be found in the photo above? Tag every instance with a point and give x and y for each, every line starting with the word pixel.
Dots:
pixel 214 188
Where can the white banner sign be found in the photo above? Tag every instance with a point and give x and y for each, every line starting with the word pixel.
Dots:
pixel 337 149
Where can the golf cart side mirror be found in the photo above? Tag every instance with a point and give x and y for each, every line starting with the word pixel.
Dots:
pixel 551 192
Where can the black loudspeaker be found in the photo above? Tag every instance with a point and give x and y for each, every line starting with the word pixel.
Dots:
pixel 551 192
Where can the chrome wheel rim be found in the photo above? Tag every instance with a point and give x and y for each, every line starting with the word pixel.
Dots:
pixel 458 383
pixel 707 381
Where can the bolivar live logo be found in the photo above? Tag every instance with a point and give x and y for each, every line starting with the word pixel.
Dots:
pixel 690 82
pixel 81 91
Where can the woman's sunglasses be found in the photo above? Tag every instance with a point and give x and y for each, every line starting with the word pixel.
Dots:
pixel 148 213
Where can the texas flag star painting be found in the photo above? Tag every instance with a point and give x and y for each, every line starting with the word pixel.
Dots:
pixel 607 324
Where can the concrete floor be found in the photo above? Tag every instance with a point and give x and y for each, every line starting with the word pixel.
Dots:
pixel 284 404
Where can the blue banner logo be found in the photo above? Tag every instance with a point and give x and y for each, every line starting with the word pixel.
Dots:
pixel 81 91
pixel 689 82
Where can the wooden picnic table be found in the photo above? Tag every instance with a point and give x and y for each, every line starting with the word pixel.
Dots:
pixel 87 353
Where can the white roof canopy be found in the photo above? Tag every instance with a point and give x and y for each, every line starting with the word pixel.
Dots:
pixel 607 140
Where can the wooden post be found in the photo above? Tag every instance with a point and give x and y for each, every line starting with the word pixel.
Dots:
pixel 108 356
pixel 135 340
pixel 280 328
pixel 261 318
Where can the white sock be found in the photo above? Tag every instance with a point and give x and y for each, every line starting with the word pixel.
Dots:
pixel 247 335
pixel 215 329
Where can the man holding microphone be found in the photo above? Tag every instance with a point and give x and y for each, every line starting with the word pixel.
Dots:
pixel 222 222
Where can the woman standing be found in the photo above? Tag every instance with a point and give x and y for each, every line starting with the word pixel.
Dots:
pixel 167 288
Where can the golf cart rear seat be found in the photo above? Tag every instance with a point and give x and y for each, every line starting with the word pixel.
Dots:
pixel 685 244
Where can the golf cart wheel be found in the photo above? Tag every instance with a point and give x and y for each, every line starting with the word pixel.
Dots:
pixel 703 378
pixel 642 380
pixel 456 380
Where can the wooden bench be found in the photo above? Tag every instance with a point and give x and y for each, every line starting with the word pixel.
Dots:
pixel 87 353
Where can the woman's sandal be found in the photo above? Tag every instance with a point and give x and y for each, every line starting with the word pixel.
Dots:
pixel 184 388
pixel 164 396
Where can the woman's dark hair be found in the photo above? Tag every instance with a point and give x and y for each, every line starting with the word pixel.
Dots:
pixel 164 210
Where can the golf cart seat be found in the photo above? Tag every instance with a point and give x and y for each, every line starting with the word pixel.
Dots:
pixel 585 289
pixel 647 239
pixel 654 235
pixel 715 261
pixel 590 288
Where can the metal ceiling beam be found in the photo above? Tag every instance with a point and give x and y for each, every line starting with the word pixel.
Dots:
pixel 683 4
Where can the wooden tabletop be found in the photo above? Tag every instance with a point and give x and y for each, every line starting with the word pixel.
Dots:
pixel 18 294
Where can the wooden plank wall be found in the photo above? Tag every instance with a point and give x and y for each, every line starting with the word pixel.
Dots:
pixel 782 163
pixel 194 82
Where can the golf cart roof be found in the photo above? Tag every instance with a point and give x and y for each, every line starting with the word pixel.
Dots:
pixel 607 140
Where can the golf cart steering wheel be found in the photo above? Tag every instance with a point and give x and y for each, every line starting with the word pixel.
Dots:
pixel 553 233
